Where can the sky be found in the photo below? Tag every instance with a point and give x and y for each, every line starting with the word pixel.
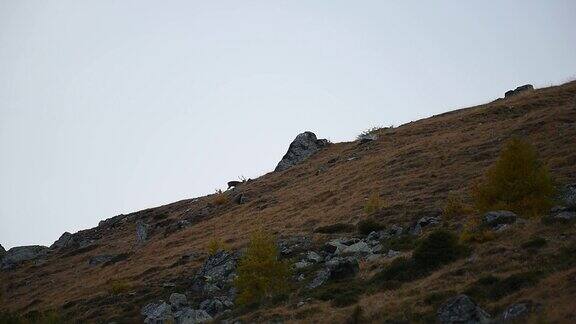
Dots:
pixel 109 107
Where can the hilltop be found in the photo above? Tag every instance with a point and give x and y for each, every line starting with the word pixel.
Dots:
pixel 110 272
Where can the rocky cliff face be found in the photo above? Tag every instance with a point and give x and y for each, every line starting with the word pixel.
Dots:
pixel 303 146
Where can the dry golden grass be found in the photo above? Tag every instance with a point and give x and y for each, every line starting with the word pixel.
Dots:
pixel 413 167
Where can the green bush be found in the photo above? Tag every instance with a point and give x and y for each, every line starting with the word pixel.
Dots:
pixel 335 228
pixel 440 247
pixel 261 276
pixel 400 270
pixel 368 226
pixel 517 182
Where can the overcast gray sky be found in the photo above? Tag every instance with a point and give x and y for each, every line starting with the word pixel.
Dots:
pixel 108 107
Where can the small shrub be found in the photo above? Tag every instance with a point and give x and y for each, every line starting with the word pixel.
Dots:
pixel 335 228
pixel 438 248
pixel 118 286
pixel 374 204
pixel 370 131
pixel 475 233
pixel 400 270
pixel 494 288
pixel 516 182
pixel 261 276
pixel 534 243
pixel 216 245
pixel 220 198
pixel 454 206
pixel 368 226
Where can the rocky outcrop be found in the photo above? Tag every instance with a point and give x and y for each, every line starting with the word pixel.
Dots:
pixel 426 221
pixel 2 252
pixel 335 269
pixel 141 232
pixel 217 274
pixel 303 146
pixel 177 311
pixel 20 254
pixel 65 240
pixel 518 90
pixel 462 310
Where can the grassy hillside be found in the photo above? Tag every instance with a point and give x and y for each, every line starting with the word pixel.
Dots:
pixel 413 168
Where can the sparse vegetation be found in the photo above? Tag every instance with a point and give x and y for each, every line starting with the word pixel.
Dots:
pixel 46 317
pixel 534 243
pixel 341 294
pixel 118 286
pixel 494 288
pixel 368 226
pixel 370 131
pixel 374 204
pixel 454 206
pixel 475 233
pixel 261 276
pixel 517 182
pixel 335 228
pixel 220 198
pixel 216 245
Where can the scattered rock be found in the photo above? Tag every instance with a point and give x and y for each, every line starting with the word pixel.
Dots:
pixel 313 257
pixel 17 255
pixel 426 221
pixel 393 254
pixel 292 245
pixel 342 268
pixel 321 277
pixel 565 215
pixel 334 247
pixel 178 300
pixel 192 316
pixel 462 310
pixel 366 138
pixel 114 221
pixel 216 306
pixel 518 90
pixel 303 146
pixel 141 232
pixel 568 197
pixel 495 218
pixel 515 312
pixel 357 248
pixel 301 265
pixel 157 313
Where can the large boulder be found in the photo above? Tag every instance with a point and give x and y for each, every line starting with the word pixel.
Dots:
pixel 217 274
pixel 19 254
pixel 303 146
pixel 518 90
pixel 462 310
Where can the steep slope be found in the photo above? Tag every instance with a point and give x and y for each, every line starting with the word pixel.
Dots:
pixel 413 167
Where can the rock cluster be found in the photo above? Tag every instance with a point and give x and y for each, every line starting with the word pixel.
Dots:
pixel 461 309
pixel 518 90
pixel 176 311
pixel 16 255
pixel 303 146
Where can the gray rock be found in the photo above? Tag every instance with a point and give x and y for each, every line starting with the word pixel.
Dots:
pixel 313 257
pixel 335 247
pixel 20 254
pixel 426 221
pixel 178 300
pixel 217 273
pixel 2 252
pixel 322 276
pixel 357 248
pixel 393 254
pixel 292 245
pixel 141 232
pixel 301 265
pixel 99 259
pixel 565 215
pixel 494 218
pixel 303 146
pixel 192 316
pixel 568 197
pixel 518 90
pixel 64 241
pixel 515 311
pixel 366 138
pixel 216 306
pixel 342 268
pixel 241 199
pixel 157 313
pixel 462 310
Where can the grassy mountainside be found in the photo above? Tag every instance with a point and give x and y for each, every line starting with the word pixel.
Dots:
pixel 412 167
